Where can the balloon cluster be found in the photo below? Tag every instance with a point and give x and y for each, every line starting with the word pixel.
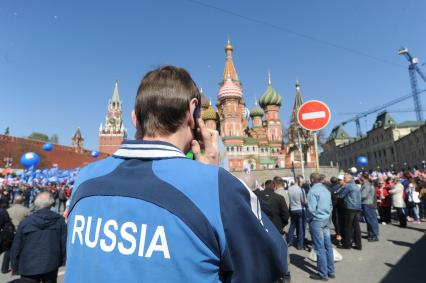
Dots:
pixel 42 177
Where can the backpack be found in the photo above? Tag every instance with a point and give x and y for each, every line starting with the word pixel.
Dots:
pixel 7 233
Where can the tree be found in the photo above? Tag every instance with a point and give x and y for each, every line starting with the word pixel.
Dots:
pixel 7 131
pixel 54 138
pixel 39 136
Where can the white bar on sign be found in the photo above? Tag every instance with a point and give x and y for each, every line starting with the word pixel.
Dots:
pixel 313 115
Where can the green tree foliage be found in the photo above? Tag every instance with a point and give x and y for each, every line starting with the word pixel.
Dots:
pixel 39 136
pixel 54 138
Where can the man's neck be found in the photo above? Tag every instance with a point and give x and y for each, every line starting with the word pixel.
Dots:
pixel 177 139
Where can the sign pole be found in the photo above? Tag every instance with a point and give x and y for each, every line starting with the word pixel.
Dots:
pixel 316 151
pixel 302 158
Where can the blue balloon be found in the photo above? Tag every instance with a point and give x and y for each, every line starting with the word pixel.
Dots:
pixel 47 147
pixel 30 159
pixel 95 153
pixel 362 161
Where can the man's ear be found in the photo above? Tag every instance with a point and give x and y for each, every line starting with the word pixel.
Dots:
pixel 134 119
pixel 193 108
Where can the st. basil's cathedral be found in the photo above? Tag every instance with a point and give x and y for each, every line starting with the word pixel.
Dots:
pixel 253 138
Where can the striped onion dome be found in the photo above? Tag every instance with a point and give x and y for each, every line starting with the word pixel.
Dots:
pixel 270 97
pixel 229 89
pixel 256 111
pixel 209 114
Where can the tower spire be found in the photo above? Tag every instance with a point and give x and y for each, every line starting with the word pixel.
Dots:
pixel 229 70
pixel 116 95
pixel 298 98
pixel 269 78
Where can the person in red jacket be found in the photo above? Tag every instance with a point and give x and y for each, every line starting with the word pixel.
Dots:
pixel 384 200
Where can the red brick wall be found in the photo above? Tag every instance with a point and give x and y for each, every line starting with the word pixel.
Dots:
pixel 64 156
pixel 109 144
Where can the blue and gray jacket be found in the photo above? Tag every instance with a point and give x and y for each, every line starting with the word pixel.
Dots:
pixel 149 214
pixel 351 195
pixel 320 206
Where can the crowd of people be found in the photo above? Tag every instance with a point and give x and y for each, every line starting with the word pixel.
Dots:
pixel 150 211
pixel 345 200
pixel 32 231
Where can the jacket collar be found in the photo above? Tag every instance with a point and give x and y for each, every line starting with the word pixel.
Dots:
pixel 148 150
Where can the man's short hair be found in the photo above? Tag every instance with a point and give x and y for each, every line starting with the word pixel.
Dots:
pixel 19 199
pixel 269 184
pixel 278 181
pixel 162 101
pixel 333 180
pixel 315 178
pixel 366 176
pixel 44 200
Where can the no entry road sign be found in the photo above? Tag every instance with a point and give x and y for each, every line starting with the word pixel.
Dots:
pixel 313 115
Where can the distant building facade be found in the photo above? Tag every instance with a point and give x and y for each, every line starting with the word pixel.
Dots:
pixel 113 132
pixel 383 145
pixel 411 149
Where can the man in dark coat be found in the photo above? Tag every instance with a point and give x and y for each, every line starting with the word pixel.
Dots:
pixel 38 249
pixel 279 213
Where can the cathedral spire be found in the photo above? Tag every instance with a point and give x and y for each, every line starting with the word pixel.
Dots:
pixel 298 98
pixel 294 124
pixel 229 70
pixel 269 78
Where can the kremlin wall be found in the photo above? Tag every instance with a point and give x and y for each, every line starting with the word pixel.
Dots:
pixel 65 157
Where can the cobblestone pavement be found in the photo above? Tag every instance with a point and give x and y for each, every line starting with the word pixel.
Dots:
pixel 399 256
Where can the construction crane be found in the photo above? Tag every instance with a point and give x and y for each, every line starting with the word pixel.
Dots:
pixel 386 110
pixel 360 115
pixel 413 68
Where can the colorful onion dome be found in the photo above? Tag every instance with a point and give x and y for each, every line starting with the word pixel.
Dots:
pixel 229 89
pixel 256 111
pixel 270 96
pixel 209 114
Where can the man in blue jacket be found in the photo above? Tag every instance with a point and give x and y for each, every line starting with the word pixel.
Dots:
pixel 351 195
pixel 149 214
pixel 319 218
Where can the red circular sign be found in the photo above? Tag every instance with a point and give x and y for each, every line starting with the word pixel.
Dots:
pixel 313 115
